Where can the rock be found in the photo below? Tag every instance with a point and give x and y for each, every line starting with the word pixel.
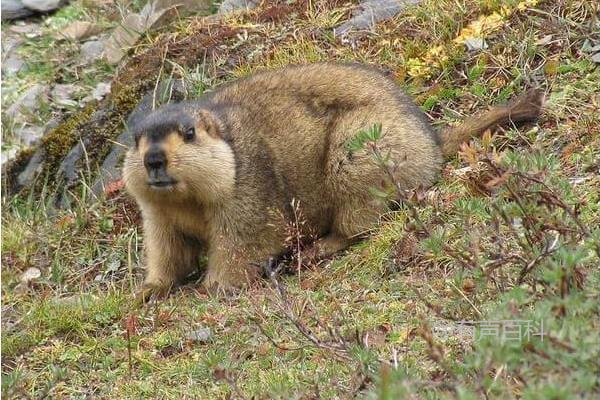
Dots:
pixel 7 155
pixel 10 44
pixel 474 43
pixel 155 13
pixel 122 38
pixel 589 47
pixel 13 9
pixel 33 168
pixel 13 64
pixel 234 5
pixel 30 30
pixel 544 41
pixel 101 90
pixel 92 50
pixel 27 103
pixel 62 95
pixel 184 7
pixel 200 335
pixel 79 30
pixel 596 58
pixel 28 135
pixel 44 5
pixel 371 12
pixel 30 274
pixel 68 166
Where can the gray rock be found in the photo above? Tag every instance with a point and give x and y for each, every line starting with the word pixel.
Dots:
pixel 234 5
pixel 68 168
pixel 92 50
pixel 373 11
pixel 10 44
pixel 110 170
pixel 62 95
pixel 27 103
pixel 79 30
pixel 122 38
pixel 474 43
pixel 101 90
pixel 13 64
pixel 7 155
pixel 28 135
pixel 200 335
pixel 43 5
pixel 596 58
pixel 13 9
pixel 26 28
pixel 33 169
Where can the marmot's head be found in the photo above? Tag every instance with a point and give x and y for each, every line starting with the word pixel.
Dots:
pixel 179 155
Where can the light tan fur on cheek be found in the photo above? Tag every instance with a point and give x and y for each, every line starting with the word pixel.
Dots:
pixel 207 166
pixel 134 172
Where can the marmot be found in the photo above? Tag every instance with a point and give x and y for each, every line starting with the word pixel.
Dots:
pixel 216 176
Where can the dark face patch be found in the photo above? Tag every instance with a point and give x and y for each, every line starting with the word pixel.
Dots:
pixel 163 122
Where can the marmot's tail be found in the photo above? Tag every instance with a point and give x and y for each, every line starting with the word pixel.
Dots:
pixel 526 107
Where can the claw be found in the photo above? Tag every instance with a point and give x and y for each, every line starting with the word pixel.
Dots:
pixel 149 292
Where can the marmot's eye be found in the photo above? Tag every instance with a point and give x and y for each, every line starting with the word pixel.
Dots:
pixel 189 135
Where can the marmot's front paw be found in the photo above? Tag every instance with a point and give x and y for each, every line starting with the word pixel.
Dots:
pixel 151 291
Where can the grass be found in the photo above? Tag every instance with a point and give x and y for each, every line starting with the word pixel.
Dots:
pixel 509 232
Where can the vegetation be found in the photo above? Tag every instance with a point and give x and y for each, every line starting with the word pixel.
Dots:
pixel 509 233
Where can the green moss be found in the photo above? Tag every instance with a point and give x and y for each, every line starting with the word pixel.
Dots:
pixel 61 139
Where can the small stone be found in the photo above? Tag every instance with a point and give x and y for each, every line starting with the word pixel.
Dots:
pixel 101 90
pixel 28 102
pixel 25 28
pixel 79 30
pixel 29 134
pixel 228 6
pixel 43 5
pixel 7 155
pixel 33 168
pixel 62 95
pixel 474 43
pixel 11 43
pixel 13 64
pixel 92 50
pixel 200 335
pixel 596 58
pixel 30 274
pixel 544 41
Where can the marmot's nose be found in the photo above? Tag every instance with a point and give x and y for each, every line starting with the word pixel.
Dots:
pixel 155 159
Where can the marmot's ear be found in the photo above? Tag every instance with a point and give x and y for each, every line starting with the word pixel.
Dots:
pixel 209 122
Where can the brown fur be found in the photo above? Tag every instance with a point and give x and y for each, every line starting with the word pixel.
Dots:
pixel 273 137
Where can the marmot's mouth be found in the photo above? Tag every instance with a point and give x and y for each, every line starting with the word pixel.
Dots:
pixel 162 184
